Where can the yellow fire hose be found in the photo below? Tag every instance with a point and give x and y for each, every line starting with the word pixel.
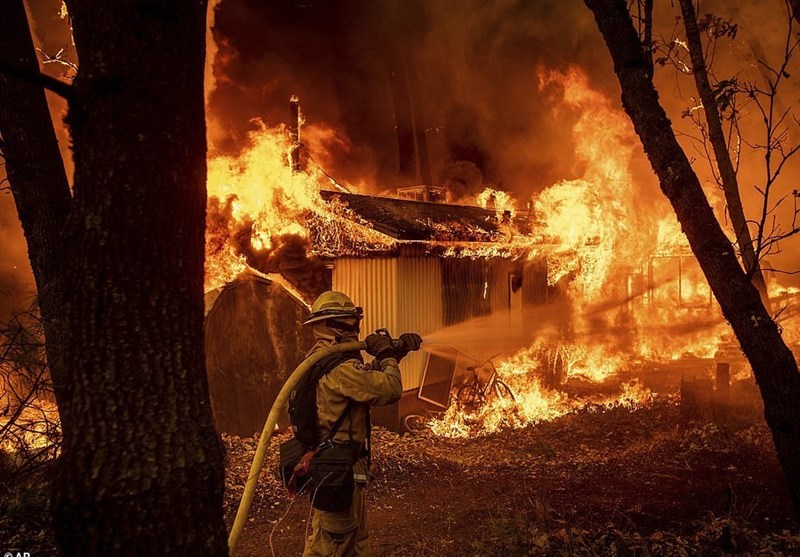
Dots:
pixel 269 427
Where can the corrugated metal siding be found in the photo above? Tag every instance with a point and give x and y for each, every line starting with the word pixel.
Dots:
pixel 419 309
pixel 534 282
pixel 372 284
pixel 499 293
pixel 402 294
pixel 466 289
pixel 498 286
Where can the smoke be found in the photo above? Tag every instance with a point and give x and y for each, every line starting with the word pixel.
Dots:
pixel 210 79
pixel 287 255
pixel 485 120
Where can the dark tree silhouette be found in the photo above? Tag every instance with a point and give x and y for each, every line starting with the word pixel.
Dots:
pixel 773 363
pixel 35 173
pixel 141 470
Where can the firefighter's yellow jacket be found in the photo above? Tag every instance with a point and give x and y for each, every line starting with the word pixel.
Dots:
pixel 365 384
pixel 345 534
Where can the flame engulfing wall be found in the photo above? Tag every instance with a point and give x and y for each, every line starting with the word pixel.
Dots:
pixel 604 238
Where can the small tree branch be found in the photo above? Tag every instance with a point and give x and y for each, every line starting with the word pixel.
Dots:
pixel 57 58
pixel 725 174
pixel 37 78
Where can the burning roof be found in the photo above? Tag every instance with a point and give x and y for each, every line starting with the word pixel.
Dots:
pixel 422 221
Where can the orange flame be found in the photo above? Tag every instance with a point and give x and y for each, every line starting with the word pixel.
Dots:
pixel 532 402
pixel 636 291
pixel 258 192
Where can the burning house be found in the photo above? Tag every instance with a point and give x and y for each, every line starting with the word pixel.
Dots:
pixel 590 296
pixel 419 285
pixel 437 265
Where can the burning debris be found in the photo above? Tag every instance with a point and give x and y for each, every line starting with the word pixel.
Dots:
pixel 528 401
pixel 30 431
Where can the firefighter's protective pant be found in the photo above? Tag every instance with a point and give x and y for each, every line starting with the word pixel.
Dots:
pixel 340 534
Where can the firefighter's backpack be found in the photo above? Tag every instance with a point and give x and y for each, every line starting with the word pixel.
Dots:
pixel 307 462
pixel 303 399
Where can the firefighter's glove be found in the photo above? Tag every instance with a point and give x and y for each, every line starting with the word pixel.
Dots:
pixel 379 346
pixel 408 342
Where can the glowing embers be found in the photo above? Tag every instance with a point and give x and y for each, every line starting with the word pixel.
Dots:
pixel 34 428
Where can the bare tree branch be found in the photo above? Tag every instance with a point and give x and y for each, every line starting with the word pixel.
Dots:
pixel 58 58
pixel 727 177
pixel 37 78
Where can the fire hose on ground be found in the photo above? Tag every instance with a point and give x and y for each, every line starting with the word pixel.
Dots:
pixel 269 427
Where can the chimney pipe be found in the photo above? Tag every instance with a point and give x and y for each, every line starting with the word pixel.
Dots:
pixel 294 131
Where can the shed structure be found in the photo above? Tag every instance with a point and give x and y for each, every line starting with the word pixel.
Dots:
pixel 254 339
pixel 254 333
pixel 420 286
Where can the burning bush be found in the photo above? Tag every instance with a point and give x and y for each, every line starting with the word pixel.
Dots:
pixel 30 432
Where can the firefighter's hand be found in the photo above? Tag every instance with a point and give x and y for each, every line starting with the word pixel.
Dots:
pixel 408 342
pixel 412 341
pixel 379 346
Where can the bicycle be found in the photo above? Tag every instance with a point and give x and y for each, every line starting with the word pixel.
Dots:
pixel 468 397
pixel 475 393
pixel 417 424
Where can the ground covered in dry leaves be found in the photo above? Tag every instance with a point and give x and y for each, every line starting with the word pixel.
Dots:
pixel 646 483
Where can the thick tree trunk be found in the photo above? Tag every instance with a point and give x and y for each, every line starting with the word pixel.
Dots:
pixel 647 39
pixel 716 135
pixel 141 471
pixel 773 364
pixel 36 175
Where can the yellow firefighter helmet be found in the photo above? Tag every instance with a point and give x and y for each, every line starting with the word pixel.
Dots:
pixel 333 304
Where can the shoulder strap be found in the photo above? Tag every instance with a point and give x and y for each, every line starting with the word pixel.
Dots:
pixel 338 423
pixel 325 366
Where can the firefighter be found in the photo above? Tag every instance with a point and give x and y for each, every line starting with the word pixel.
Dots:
pixel 335 318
